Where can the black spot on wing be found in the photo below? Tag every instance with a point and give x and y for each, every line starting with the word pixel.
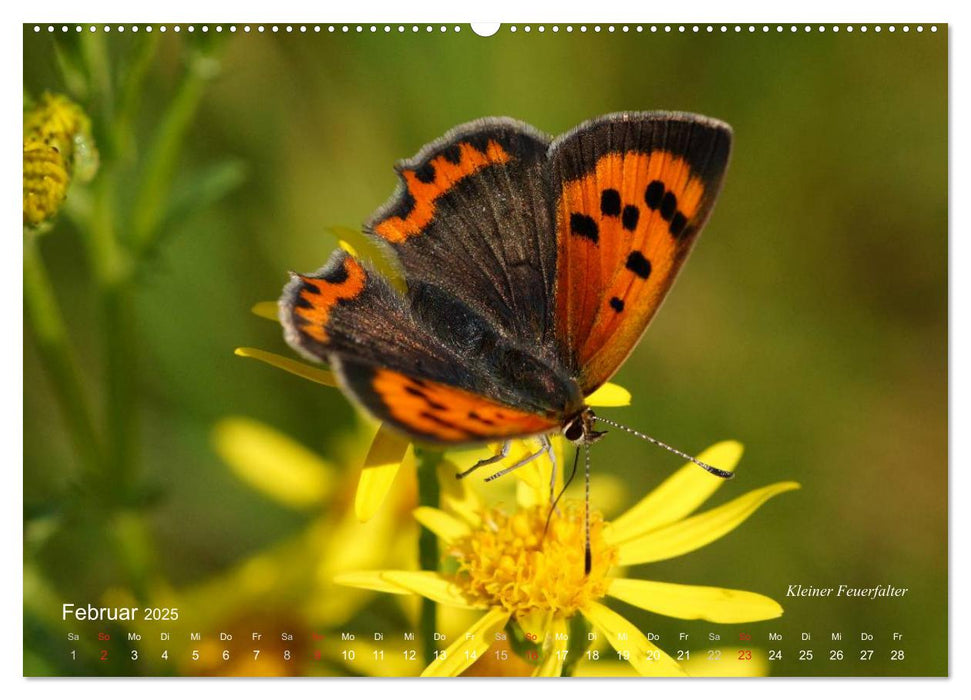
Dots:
pixel 453 154
pixel 669 205
pixel 653 194
pixel 639 265
pixel 583 225
pixel 617 304
pixel 630 217
pixel 405 205
pixel 610 202
pixel 338 275
pixel 426 173
pixel 476 417
pixel 677 224
pixel 479 142
pixel 422 395
pixel 448 424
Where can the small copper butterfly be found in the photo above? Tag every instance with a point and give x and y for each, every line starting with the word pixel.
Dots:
pixel 533 266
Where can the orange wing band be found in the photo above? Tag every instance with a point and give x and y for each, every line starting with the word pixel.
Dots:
pixel 448 414
pixel 318 296
pixel 433 179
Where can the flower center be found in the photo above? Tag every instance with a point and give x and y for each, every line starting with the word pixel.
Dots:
pixel 508 561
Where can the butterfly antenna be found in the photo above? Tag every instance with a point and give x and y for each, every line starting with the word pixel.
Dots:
pixel 573 473
pixel 587 555
pixel 721 473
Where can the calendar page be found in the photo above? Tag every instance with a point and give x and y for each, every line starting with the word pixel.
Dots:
pixel 356 350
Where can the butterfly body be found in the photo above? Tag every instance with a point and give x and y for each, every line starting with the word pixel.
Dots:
pixel 532 266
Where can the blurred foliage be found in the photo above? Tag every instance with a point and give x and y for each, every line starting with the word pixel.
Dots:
pixel 810 323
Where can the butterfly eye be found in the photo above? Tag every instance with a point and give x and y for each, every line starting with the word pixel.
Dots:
pixel 573 431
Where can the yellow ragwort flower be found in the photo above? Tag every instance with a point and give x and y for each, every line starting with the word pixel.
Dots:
pixel 513 568
pixel 289 585
pixel 57 148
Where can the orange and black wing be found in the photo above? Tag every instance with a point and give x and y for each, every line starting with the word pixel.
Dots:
pixel 633 191
pixel 396 366
pixel 471 225
pixel 434 411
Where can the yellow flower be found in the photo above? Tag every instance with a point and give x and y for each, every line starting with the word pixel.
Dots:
pixel 296 477
pixel 510 565
pixel 57 148
pixel 289 586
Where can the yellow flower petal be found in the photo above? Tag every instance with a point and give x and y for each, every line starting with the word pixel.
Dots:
pixel 527 496
pixel 342 544
pixel 534 478
pixel 384 458
pixel 727 662
pixel 697 531
pixel 623 636
pixel 556 647
pixel 447 528
pixel 360 245
pixel 678 496
pixel 467 649
pixel 722 605
pixel 370 580
pixel 533 487
pixel 431 585
pixel 609 395
pixel 609 491
pixel 273 463
pixel 519 450
pixel 456 496
pixel 301 369
pixel 267 309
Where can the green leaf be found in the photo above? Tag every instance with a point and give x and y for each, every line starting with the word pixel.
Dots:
pixel 200 190
pixel 524 648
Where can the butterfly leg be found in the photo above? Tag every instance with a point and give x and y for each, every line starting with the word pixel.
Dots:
pixel 498 456
pixel 546 448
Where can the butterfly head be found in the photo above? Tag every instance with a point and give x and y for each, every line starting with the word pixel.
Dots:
pixel 580 428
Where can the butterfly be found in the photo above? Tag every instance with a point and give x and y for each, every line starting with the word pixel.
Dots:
pixel 533 266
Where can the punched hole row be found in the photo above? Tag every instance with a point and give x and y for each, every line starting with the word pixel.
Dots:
pixel 414 28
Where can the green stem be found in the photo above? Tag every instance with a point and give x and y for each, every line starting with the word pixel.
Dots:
pixel 96 58
pixel 131 540
pixel 56 353
pixel 162 157
pixel 132 90
pixel 111 266
pixel 121 401
pixel 428 555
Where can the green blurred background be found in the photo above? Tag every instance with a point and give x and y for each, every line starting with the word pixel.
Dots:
pixel 810 322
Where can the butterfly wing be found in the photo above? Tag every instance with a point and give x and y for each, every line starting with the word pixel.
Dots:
pixel 434 411
pixel 471 224
pixel 400 371
pixel 633 191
